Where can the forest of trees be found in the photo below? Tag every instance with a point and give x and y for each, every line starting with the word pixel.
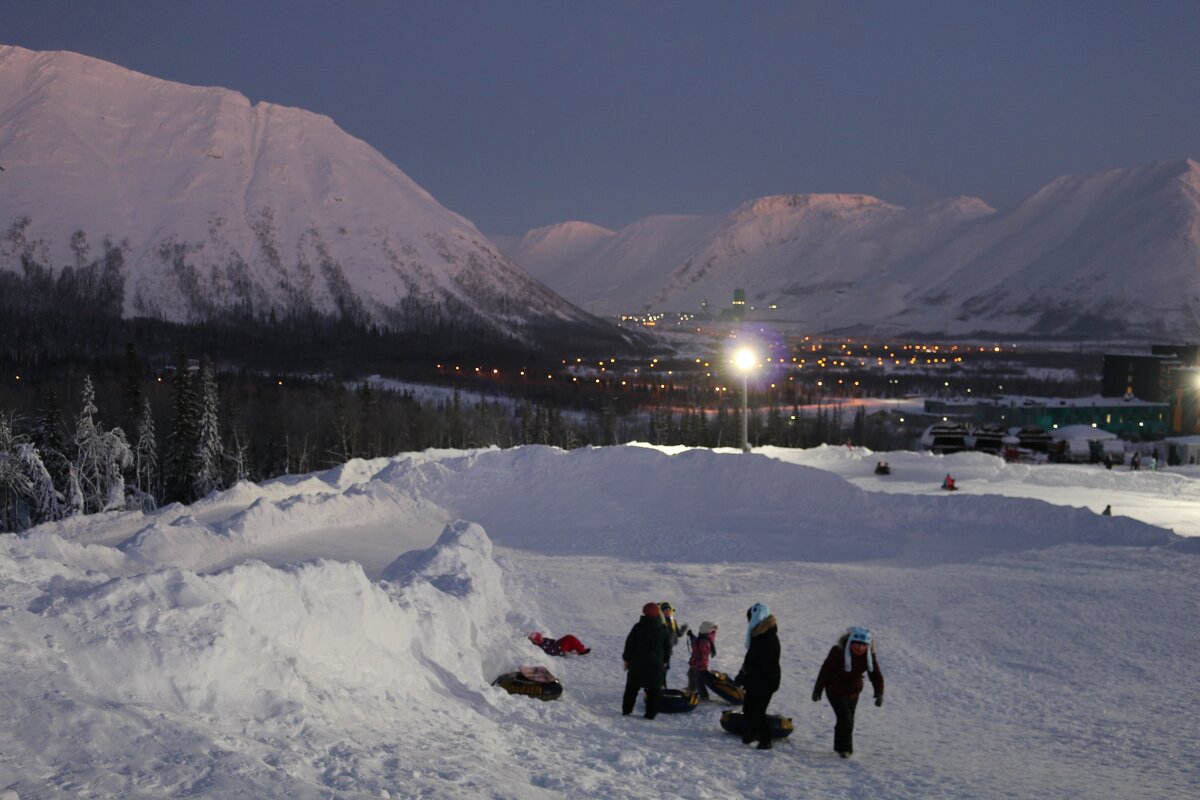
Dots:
pixel 136 439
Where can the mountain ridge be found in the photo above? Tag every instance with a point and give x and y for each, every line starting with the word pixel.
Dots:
pixel 1115 252
pixel 212 203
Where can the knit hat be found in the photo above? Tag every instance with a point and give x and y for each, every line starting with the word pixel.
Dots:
pixel 708 627
pixel 862 635
pixel 650 610
pixel 754 615
pixel 535 637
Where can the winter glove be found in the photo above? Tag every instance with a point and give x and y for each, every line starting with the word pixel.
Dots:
pixel 878 700
pixel 740 681
pixel 816 695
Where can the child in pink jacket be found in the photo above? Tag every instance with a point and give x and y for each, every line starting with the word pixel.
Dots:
pixel 702 647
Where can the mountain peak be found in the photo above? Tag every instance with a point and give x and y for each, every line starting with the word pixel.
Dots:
pixel 220 204
pixel 773 204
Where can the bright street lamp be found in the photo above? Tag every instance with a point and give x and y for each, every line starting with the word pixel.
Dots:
pixel 744 360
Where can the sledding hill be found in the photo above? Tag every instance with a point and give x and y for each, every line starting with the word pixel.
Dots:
pixel 227 648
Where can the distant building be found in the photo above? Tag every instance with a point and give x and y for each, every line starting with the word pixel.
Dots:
pixel 1170 374
pixel 1128 417
pixel 1146 377
pixel 737 310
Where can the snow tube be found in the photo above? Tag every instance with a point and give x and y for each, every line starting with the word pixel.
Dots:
pixel 677 701
pixel 735 722
pixel 721 685
pixel 531 681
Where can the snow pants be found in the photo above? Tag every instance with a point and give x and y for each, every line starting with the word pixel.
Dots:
pixel 755 709
pixel 696 682
pixel 653 695
pixel 843 729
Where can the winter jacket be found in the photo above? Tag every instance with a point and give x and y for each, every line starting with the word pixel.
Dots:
pixel 646 649
pixel 836 682
pixel 703 648
pixel 673 633
pixel 760 668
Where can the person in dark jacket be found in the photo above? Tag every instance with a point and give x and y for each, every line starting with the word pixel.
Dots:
pixel 645 654
pixel 841 678
pixel 759 674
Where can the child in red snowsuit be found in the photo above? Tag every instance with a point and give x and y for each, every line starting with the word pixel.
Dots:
pixel 559 647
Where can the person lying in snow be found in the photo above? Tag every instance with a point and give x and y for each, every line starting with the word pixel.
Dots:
pixel 563 646
pixel 841 680
pixel 702 648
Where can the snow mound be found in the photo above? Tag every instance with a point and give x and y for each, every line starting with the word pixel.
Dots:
pixel 702 507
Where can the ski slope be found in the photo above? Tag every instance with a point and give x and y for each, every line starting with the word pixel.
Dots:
pixel 335 634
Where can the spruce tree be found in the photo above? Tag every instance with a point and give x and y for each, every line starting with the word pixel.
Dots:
pixel 90 454
pixel 181 442
pixel 131 392
pixel 43 501
pixel 145 453
pixel 14 484
pixel 209 454
pixel 50 441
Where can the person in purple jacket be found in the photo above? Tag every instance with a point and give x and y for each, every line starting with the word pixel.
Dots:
pixel 841 678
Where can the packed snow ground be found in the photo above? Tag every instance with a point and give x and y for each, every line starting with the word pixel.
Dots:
pixel 335 634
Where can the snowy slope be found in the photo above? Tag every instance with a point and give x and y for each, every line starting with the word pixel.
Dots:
pixel 335 634
pixel 216 203
pixel 1107 254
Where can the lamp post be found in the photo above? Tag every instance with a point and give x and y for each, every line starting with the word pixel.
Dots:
pixel 744 360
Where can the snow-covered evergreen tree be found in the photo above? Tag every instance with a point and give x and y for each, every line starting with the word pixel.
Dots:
pixel 145 453
pixel 118 458
pixel 14 484
pixel 73 496
pixel 100 458
pixel 90 453
pixel 50 440
pixel 181 441
pixel 209 455
pixel 43 500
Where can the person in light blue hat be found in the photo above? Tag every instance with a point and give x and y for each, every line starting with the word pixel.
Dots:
pixel 841 679
pixel 760 673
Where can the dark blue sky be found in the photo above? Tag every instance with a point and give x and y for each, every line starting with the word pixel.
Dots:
pixel 519 113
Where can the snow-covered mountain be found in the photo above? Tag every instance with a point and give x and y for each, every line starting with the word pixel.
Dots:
pixel 1117 252
pixel 216 203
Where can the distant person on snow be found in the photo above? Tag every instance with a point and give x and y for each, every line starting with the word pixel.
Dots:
pixel 563 646
pixel 701 648
pixel 1107 511
pixel 644 655
pixel 841 680
pixel 948 483
pixel 1136 461
pixel 882 468
pixel 759 674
